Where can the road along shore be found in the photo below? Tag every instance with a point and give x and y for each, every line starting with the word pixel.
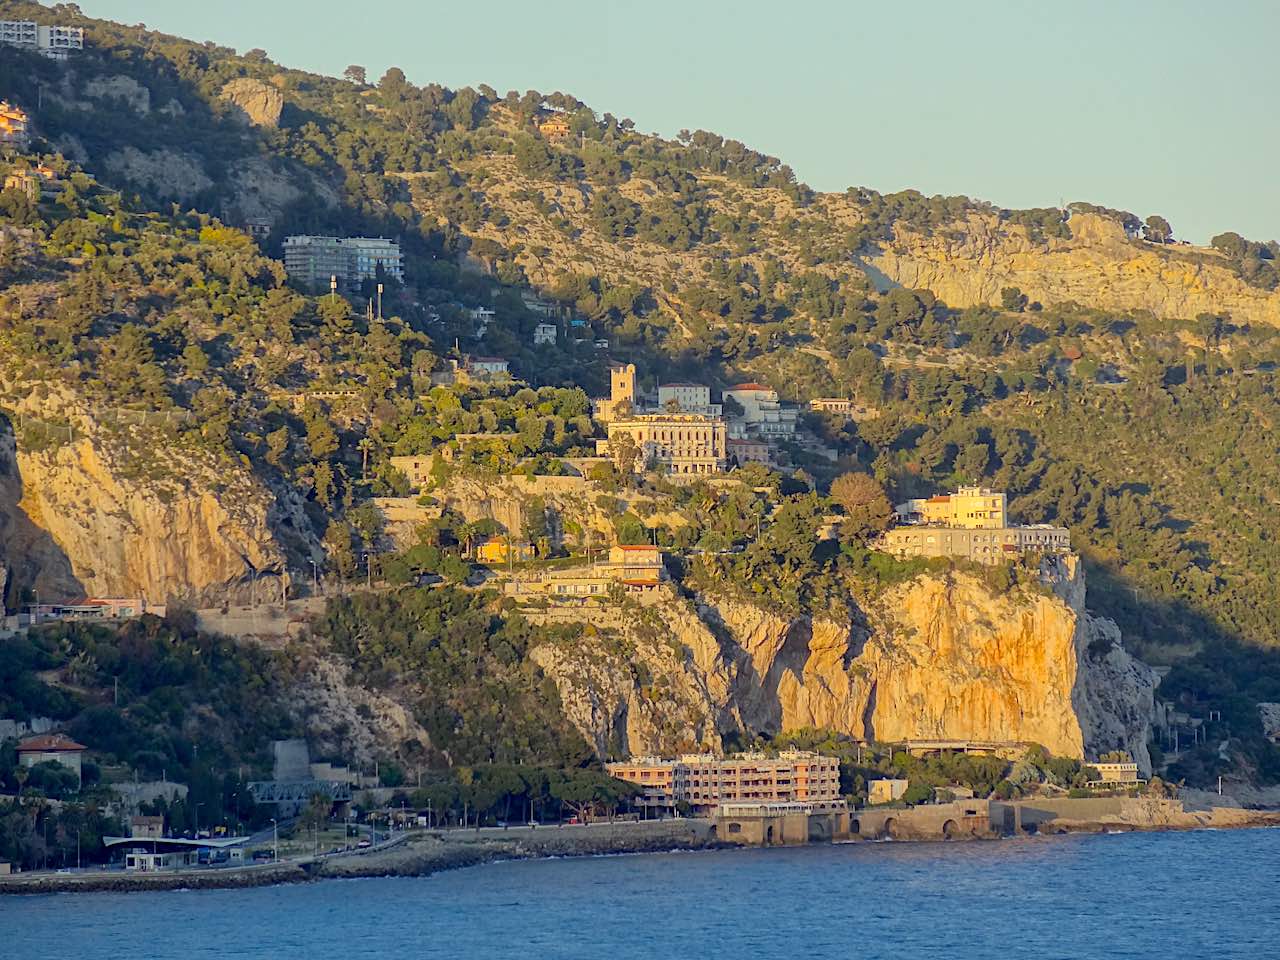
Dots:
pixel 423 853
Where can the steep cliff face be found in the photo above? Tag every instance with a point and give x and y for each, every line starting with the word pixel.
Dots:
pixel 258 103
pixel 1098 266
pixel 79 519
pixel 939 658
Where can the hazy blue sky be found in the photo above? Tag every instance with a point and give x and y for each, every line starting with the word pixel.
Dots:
pixel 1155 106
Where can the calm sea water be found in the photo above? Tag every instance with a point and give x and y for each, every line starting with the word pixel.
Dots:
pixel 1204 894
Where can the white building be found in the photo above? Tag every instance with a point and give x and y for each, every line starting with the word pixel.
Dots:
pixel 689 397
pixel 53 41
pixel 763 414
pixel 544 333
pixel 311 261
pixel 487 366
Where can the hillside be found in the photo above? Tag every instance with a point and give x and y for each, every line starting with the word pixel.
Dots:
pixel 183 422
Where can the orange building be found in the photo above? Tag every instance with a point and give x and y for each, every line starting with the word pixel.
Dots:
pixel 15 126
pixel 704 781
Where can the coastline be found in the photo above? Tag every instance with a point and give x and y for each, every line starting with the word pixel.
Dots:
pixel 428 853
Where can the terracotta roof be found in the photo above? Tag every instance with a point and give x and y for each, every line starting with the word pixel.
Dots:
pixel 636 546
pixel 50 743
pixel 944 498
pixel 751 386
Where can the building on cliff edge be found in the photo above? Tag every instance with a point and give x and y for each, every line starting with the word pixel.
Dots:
pixel 971 524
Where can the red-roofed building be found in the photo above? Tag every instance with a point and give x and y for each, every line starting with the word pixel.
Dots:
pixel 51 748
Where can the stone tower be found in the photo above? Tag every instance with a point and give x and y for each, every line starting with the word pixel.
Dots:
pixel 622 384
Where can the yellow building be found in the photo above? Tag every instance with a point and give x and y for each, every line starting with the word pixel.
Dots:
pixel 622 394
pixel 503 549
pixel 1118 774
pixel 680 443
pixel 555 128
pixel 885 790
pixel 969 507
pixel 417 468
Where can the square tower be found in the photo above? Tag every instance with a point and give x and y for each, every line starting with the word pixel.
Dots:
pixel 622 384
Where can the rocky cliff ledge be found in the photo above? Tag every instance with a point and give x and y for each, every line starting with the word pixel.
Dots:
pixel 88 517
pixel 941 657
pixel 1098 266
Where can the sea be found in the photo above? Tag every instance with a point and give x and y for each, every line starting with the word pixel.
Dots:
pixel 1187 895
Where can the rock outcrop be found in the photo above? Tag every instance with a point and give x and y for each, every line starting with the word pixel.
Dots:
pixel 168 174
pixel 942 657
pixel 84 518
pixel 256 102
pixel 1098 266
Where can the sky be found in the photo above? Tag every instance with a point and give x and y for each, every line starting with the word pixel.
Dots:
pixel 1154 106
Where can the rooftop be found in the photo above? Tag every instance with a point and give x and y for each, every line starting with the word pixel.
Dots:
pixel 50 743
pixel 750 386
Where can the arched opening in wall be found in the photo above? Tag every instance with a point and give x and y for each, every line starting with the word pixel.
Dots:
pixel 735 828
pixel 768 834
pixel 819 829
pixel 950 830
pixel 855 826
pixel 890 829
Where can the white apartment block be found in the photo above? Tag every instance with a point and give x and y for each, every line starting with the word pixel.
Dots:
pixel 311 261
pixel 53 41
pixel 689 397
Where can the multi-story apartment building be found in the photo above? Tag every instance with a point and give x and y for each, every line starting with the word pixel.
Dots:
pixel 763 414
pixel 55 42
pixel 704 781
pixel 969 507
pixel 971 524
pixel 312 261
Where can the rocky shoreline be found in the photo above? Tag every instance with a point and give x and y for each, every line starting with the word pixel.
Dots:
pixel 432 853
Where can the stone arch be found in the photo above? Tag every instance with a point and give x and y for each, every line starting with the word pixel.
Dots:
pixel 855 826
pixel 890 828
pixel 950 830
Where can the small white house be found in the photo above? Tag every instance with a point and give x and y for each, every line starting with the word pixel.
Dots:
pixel 544 333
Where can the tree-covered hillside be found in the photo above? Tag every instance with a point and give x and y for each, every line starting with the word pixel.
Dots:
pixel 135 295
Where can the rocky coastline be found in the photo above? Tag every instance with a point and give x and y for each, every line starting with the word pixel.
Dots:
pixel 429 853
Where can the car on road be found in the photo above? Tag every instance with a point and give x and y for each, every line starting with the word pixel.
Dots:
pixel 363 844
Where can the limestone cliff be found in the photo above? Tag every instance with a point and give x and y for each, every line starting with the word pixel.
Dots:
pixel 1098 267
pixel 256 102
pixel 85 518
pixel 938 658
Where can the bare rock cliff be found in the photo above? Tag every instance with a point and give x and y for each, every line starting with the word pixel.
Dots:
pixel 77 519
pixel 939 658
pixel 257 102
pixel 1098 266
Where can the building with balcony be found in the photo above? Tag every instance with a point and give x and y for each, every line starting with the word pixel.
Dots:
pixel 704 781
pixel 763 414
pixel 545 333
pixel 969 507
pixel 313 261
pixel 55 42
pixel 15 126
pixel 971 524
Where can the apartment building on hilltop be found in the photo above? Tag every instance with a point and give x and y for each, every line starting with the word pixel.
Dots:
pixel 55 42
pixel 763 414
pixel 312 261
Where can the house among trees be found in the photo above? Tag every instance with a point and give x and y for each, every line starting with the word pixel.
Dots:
pixel 555 128
pixel 52 748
